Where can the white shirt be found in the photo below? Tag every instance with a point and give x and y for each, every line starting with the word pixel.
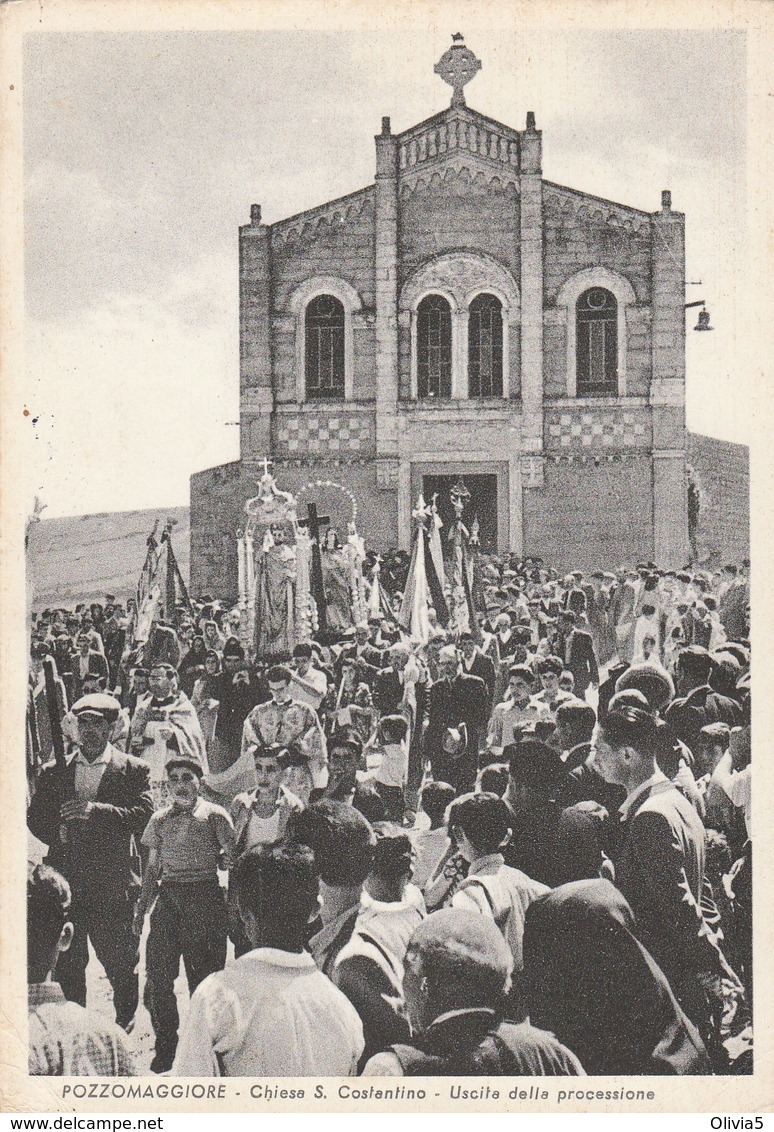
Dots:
pixel 509 893
pixel 630 799
pixel 88 775
pixel 270 1013
pixel 507 716
pixel 310 688
pixel 261 831
pixel 392 769
pixel 737 784
pixel 430 846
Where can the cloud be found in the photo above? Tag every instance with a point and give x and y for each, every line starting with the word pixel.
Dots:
pixel 128 403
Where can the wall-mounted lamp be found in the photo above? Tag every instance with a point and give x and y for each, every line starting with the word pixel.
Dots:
pixel 704 316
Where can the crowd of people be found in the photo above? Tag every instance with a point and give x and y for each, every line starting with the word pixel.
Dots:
pixel 520 848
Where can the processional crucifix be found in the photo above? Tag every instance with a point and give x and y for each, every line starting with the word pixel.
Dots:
pixel 312 522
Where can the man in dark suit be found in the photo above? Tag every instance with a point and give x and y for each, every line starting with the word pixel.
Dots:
pixel 579 655
pixel 361 653
pixel 698 705
pixel 734 600
pixel 660 866
pixel 454 699
pixel 390 683
pixel 474 663
pixel 86 662
pixel 87 812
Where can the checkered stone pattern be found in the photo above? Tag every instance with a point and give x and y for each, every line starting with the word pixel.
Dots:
pixel 583 430
pixel 341 434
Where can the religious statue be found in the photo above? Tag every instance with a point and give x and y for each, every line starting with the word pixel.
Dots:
pixel 274 573
pixel 275 596
pixel 457 573
pixel 336 582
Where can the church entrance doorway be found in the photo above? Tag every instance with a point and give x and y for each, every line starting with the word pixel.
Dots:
pixel 482 504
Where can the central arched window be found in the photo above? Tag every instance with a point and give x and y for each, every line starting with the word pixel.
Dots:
pixel 434 348
pixel 596 313
pixel 324 345
pixel 485 347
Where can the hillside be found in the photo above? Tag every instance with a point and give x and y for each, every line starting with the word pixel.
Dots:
pixel 83 557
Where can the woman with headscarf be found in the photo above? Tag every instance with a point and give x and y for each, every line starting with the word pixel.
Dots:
pixel 205 695
pixel 192 665
pixel 590 981
pixel 213 638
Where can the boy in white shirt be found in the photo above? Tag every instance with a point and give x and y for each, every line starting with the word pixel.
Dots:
pixel 520 707
pixel 391 747
pixel 480 826
pixel 271 1013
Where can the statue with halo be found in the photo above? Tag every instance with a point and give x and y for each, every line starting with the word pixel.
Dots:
pixel 274 573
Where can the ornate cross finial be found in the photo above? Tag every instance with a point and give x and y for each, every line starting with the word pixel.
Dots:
pixel 265 464
pixel 459 497
pixel 457 66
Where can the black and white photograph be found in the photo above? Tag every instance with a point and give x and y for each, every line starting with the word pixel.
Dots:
pixel 384 460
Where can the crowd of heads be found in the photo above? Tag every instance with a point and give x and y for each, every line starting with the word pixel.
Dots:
pixel 663 690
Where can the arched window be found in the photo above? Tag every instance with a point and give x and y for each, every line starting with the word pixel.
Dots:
pixel 434 348
pixel 485 347
pixel 324 345
pixel 596 342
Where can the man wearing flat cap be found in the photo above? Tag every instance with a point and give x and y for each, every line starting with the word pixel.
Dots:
pixel 87 813
pixel 457 972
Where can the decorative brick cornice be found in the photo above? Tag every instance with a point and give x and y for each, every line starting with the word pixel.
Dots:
pixel 323 220
pixel 457 168
pixel 560 203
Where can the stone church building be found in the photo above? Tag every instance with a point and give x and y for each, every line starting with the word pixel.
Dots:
pixel 464 318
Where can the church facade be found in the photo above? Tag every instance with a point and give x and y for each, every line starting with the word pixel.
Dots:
pixel 464 318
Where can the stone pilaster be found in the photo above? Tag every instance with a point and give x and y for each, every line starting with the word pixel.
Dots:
pixel 255 368
pixel 386 292
pixel 531 193
pixel 531 189
pixel 667 390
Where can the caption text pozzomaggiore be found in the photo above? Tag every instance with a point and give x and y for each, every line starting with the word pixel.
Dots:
pixel 466 1090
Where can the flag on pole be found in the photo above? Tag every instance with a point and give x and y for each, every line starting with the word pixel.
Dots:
pixel 160 587
pixel 423 587
pixel 468 567
pixel 148 590
pixel 175 590
pixel 436 549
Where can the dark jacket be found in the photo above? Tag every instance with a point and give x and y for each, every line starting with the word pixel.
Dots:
pixel 585 784
pixel 590 981
pixel 235 702
pixel 483 667
pixel 98 666
pixel 388 690
pixel 660 871
pixel 451 702
pixel 475 1043
pixel 687 715
pixel 581 660
pixel 97 857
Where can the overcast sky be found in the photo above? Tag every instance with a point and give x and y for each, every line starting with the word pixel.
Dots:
pixel 144 152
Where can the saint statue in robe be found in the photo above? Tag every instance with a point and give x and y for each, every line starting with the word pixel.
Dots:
pixel 336 570
pixel 275 618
